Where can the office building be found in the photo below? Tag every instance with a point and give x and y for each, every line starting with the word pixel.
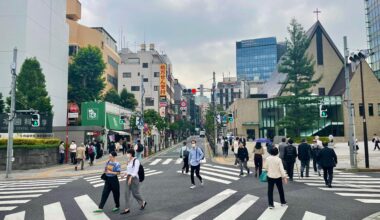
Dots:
pixel 372 11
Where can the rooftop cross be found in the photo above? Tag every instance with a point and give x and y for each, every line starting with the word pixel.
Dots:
pixel 317 13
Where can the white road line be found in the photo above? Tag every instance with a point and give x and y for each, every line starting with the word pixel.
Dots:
pixel 20 196
pixel 275 213
pixel 359 194
pixel 349 189
pixel 92 178
pixel 13 202
pixel 344 185
pixel 221 171
pixel 15 216
pixel 376 201
pixel 212 179
pixel 346 181
pixel 204 206
pixel 27 191
pixel 27 185
pixel 25 188
pixel 167 161
pixel 238 208
pixel 87 205
pixel 224 168
pixel 313 216
pixel 178 161
pixel 155 173
pixel 96 181
pixel 156 161
pixel 98 185
pixel 150 171
pixel 7 208
pixel 54 211
pixel 344 178
pixel 37 181
pixel 219 175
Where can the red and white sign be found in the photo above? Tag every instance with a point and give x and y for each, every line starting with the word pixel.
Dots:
pixel 162 111
pixel 183 103
pixel 163 104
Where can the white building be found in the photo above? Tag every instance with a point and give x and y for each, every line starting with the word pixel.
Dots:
pixel 146 63
pixel 38 29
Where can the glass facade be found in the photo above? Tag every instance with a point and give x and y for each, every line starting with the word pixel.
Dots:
pixel 270 113
pixel 372 8
pixel 256 59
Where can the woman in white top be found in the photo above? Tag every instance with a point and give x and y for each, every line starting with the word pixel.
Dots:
pixel 276 175
pixel 133 182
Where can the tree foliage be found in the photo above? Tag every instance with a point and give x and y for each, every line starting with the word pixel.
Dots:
pixel 85 75
pixel 128 100
pixel 2 105
pixel 112 96
pixel 31 90
pixel 301 112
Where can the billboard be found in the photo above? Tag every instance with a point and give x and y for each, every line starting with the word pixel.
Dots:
pixel 163 80
pixel 23 123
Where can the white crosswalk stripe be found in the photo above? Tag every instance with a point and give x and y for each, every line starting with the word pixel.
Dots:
pixel 54 211
pixel 156 161
pixel 167 161
pixel 275 213
pixel 87 206
pixel 178 161
pixel 15 216
pixel 14 193
pixel 313 216
pixel 170 161
pixel 242 205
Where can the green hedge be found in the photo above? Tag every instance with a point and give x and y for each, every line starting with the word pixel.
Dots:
pixel 32 141
pixel 309 139
pixel 42 146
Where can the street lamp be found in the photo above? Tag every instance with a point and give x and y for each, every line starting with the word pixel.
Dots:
pixel 358 58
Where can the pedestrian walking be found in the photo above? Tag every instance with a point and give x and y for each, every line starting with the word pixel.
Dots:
pixel 184 154
pixel 195 157
pixel 275 176
pixel 315 149
pixel 225 147
pixel 258 153
pixel 281 149
pixel 111 171
pixel 132 182
pixel 112 147
pixel 235 149
pixel 125 146
pixel 290 156
pixel 80 156
pixel 139 149
pixel 86 150
pixel 61 150
pixel 304 155
pixel 73 152
pixel 328 161
pixel 244 141
pixel 243 157
pixel 91 153
pixel 376 140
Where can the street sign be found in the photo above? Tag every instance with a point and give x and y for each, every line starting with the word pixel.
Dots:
pixel 183 103
pixel 162 111
pixel 163 104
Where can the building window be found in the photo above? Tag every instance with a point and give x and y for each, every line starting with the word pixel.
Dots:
pixel 135 88
pixel 155 88
pixel 112 80
pixel 156 74
pixel 321 92
pixel 145 65
pixel 149 101
pixel 361 109
pixel 319 47
pixel 145 79
pixel 127 75
pixel 73 49
pixel 112 62
pixel 138 74
pixel 102 45
pixel 370 109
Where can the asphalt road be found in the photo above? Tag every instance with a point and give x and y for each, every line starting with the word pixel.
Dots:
pixel 225 195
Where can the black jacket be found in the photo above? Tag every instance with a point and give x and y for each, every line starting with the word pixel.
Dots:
pixel 304 152
pixel 243 154
pixel 327 157
pixel 290 153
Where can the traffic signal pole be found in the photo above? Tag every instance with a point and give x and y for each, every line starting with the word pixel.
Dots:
pixel 214 109
pixel 142 110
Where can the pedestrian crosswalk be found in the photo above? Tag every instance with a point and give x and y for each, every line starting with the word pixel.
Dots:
pixel 360 187
pixel 96 181
pixel 235 210
pixel 168 161
pixel 15 193
pixel 55 211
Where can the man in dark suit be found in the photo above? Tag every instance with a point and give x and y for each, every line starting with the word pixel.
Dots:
pixel 304 155
pixel 328 160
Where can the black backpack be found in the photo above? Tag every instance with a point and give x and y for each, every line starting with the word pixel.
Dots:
pixel 140 148
pixel 196 152
pixel 290 153
pixel 186 153
pixel 141 172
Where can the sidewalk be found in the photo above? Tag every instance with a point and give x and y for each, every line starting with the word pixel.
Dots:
pixel 341 149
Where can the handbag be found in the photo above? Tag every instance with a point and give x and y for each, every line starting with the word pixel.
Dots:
pixel 263 177
pixel 103 176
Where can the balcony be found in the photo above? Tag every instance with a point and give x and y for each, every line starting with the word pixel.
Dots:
pixel 73 10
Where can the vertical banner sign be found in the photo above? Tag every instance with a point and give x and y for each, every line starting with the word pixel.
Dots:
pixel 163 80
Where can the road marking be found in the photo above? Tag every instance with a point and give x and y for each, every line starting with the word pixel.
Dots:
pixel 92 178
pixel 98 185
pixel 219 175
pixel 87 205
pixel 7 208
pixel 155 173
pixel 275 213
pixel 349 189
pixel 203 207
pixel 13 202
pixel 54 211
pixel 156 161
pixel 23 188
pixel 15 216
pixel 212 178
pixel 150 171
pixel 360 194
pixel 313 216
pixel 341 181
pixel 96 181
pixel 27 185
pixel 20 196
pixel 224 168
pixel 29 191
pixel 167 161
pixel 377 201
pixel 221 171
pixel 344 178
pixel 179 160
pixel 343 185
pixel 238 208
pixel 37 181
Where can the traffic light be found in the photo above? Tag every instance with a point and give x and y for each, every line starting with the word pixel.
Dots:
pixel 322 111
pixel 193 91
pixel 35 120
pixel 189 91
pixel 137 120
pixel 230 117
pixel 123 119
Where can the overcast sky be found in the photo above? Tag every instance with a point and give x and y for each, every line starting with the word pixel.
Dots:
pixel 199 35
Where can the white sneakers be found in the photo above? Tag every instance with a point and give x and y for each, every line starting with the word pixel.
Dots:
pixel 192 187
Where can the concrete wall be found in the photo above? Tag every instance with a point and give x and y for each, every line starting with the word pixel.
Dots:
pixel 245 111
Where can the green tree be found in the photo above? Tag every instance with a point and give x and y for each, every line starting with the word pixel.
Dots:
pixel 2 106
pixel 112 96
pixel 85 75
pixel 128 100
pixel 31 88
pixel 301 111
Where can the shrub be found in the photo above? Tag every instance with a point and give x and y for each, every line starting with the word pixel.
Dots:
pixel 309 139
pixel 43 146
pixel 31 141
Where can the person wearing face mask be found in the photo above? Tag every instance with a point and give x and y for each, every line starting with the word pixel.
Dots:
pixel 133 182
pixel 195 157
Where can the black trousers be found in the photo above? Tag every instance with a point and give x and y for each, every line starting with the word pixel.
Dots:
pixel 305 164
pixel 280 188
pixel 124 150
pixel 328 174
pixel 258 159
pixel 111 184
pixel 196 169
pixel 376 146
pixel 61 157
pixel 289 168
pixel 185 164
pixel 73 157
pixel 92 157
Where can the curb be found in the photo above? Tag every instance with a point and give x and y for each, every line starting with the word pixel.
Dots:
pixel 375 216
pixel 359 170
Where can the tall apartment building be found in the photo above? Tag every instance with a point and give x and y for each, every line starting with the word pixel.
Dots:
pixel 38 29
pixel 82 36
pixel 144 65
pixel 372 14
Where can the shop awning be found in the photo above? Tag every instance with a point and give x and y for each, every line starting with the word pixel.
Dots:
pixel 113 123
pixel 120 132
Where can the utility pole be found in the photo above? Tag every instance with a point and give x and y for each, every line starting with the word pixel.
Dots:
pixel 12 116
pixel 364 118
pixel 351 125
pixel 214 109
pixel 142 111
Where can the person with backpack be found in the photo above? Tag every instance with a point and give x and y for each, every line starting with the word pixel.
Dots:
pixel 258 153
pixel 290 156
pixel 304 155
pixel 225 147
pixel 184 154
pixel 195 157
pixel 134 175
pixel 139 149
pixel 328 161
pixel 91 153
pixel 243 157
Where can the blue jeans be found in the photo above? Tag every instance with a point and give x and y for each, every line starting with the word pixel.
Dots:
pixel 61 157
pixel 139 155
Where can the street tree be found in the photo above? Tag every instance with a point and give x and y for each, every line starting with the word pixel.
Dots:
pixel 112 96
pixel 85 75
pixel 128 100
pixel 2 105
pixel 300 105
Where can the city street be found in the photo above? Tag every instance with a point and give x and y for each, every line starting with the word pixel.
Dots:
pixel 224 195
